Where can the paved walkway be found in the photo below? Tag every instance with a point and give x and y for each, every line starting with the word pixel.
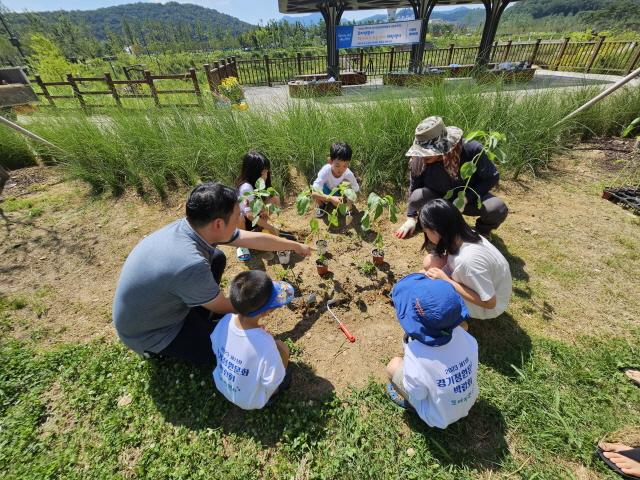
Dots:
pixel 278 95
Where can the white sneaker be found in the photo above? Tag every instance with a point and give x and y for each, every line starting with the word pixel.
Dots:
pixel 243 254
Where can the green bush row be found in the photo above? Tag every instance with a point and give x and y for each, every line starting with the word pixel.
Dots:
pixel 156 149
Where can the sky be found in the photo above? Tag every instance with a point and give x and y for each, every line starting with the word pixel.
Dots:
pixel 252 11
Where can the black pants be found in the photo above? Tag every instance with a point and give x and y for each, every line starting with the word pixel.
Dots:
pixel 491 215
pixel 193 342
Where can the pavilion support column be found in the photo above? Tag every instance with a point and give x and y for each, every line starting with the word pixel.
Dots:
pixel 332 13
pixel 493 12
pixel 422 10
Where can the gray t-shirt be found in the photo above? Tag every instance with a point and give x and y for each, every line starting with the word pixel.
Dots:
pixel 164 276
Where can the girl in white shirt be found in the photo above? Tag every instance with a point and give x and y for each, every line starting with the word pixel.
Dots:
pixel 254 166
pixel 469 262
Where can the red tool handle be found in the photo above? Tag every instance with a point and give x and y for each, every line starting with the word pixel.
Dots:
pixel 346 332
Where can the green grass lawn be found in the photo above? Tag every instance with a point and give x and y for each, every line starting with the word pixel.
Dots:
pixel 543 405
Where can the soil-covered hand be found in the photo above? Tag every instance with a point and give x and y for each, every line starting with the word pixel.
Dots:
pixel 407 228
pixel 437 273
pixel 302 250
pixel 335 201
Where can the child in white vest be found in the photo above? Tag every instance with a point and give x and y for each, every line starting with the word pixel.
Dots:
pixel 438 375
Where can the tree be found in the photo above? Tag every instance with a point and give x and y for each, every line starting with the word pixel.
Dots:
pixel 47 59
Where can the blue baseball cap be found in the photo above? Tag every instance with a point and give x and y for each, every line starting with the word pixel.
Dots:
pixel 428 310
pixel 282 294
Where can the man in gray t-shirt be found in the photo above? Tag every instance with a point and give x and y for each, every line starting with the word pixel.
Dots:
pixel 169 285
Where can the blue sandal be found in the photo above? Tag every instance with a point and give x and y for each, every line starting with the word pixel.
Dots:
pixel 397 398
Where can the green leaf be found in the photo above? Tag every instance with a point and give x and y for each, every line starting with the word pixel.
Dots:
pixel 449 194
pixel 272 192
pixel 379 241
pixel 373 200
pixel 333 218
pixel 350 194
pixel 342 209
pixel 377 212
pixel 467 170
pixel 256 207
pixel 631 127
pixel 314 225
pixel 393 213
pixel 260 184
pixel 366 221
pixel 459 201
pixel 475 134
pixel 479 203
pixel 302 202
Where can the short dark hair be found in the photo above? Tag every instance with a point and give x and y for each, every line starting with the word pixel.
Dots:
pixel 250 291
pixel 445 219
pixel 209 201
pixel 340 151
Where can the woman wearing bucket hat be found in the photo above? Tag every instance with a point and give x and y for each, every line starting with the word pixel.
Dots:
pixel 438 374
pixel 436 156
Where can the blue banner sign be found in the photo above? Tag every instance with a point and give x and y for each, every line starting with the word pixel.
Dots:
pixel 397 33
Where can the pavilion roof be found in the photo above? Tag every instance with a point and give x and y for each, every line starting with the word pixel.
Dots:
pixel 310 6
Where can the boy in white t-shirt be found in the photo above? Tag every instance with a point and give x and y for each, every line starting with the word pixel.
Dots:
pixel 334 173
pixel 438 374
pixel 250 364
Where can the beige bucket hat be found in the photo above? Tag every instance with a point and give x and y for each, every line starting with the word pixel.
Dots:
pixel 433 138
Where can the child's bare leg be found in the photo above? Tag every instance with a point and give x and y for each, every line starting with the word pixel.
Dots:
pixel 394 371
pixel 284 352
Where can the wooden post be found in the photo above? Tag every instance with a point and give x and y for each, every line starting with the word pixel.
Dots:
pixel 234 68
pixel 152 87
pixel 266 66
pixel 196 87
pixel 563 48
pixel 47 95
pixel 507 50
pixel 299 62
pixel 450 54
pixel 361 55
pixel 216 75
pixel 112 87
pixel 223 69
pixel 536 47
pixel 391 55
pixel 634 59
pixel 596 50
pixel 207 72
pixel 76 90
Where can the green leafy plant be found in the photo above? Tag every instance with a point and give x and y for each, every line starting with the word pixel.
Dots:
pixel 366 267
pixel 258 200
pixel 305 199
pixel 490 142
pixel 634 126
pixel 376 205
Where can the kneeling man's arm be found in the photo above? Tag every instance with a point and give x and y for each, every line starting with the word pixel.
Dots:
pixel 269 243
pixel 220 304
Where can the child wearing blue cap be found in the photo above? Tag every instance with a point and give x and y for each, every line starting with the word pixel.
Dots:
pixel 438 374
pixel 251 366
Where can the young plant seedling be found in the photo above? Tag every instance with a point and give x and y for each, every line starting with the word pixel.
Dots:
pixel 631 129
pixel 258 200
pixel 490 142
pixel 322 265
pixel 305 199
pixel 376 205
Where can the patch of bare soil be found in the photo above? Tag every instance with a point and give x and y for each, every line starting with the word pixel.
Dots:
pixel 573 257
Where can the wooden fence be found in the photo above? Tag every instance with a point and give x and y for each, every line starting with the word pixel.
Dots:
pixel 80 88
pixel 616 58
pixel 598 56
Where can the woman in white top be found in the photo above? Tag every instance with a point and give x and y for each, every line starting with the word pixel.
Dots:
pixel 469 262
